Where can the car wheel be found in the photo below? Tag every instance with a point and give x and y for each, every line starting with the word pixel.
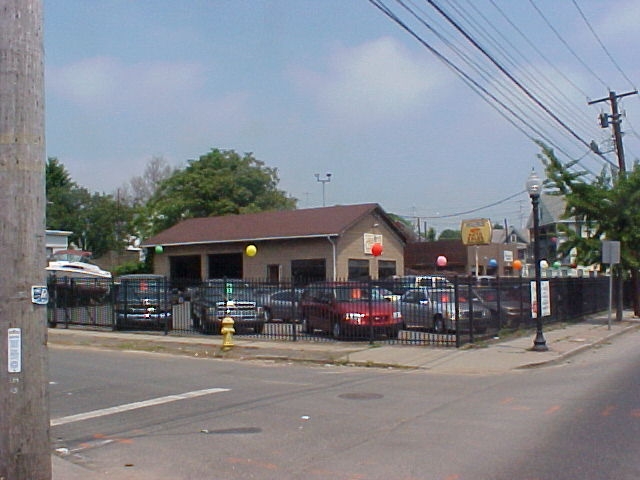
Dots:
pixel 393 332
pixel 336 330
pixel 259 328
pixel 438 324
pixel 306 325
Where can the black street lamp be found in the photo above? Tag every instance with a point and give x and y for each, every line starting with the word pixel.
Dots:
pixel 534 185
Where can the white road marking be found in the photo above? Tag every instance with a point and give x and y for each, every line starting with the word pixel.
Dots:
pixel 133 406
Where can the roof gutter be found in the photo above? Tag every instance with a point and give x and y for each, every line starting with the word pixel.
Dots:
pixel 237 240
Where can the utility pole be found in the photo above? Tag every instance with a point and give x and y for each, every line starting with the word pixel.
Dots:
pixel 24 411
pixel 615 120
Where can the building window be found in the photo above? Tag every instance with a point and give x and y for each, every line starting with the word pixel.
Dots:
pixel 308 270
pixel 273 273
pixel 358 269
pixel 386 269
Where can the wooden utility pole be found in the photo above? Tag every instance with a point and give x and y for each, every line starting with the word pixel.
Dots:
pixel 24 412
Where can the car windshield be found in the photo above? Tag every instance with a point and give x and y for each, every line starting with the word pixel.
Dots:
pixel 223 290
pixel 358 294
pixel 133 289
pixel 444 297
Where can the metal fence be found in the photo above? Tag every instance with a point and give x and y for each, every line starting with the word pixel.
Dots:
pixel 450 313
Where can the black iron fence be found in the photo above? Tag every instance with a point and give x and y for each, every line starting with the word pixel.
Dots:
pixel 444 313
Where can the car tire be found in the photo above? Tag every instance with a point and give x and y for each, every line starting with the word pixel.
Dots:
pixel 438 324
pixel 306 325
pixel 336 330
pixel 259 329
pixel 393 332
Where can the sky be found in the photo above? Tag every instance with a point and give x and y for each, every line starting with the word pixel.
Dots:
pixel 436 120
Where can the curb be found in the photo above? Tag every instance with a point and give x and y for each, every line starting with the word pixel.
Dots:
pixel 580 348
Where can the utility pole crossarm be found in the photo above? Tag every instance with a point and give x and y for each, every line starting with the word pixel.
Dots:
pixel 615 123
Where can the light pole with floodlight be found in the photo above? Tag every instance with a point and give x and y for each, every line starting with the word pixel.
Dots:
pixel 326 179
pixel 534 185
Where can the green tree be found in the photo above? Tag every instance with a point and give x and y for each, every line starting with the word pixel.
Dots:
pixel 449 234
pixel 98 222
pixel 219 183
pixel 608 207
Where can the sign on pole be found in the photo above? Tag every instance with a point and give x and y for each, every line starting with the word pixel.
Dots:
pixel 476 232
pixel 545 302
pixel 610 252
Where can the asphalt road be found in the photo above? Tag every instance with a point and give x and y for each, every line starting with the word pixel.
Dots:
pixel 222 419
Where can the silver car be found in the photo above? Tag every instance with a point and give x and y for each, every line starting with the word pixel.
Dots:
pixel 435 310
pixel 281 305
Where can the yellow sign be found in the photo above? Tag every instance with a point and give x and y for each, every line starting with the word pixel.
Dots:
pixel 476 232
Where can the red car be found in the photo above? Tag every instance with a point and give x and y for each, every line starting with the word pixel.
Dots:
pixel 348 309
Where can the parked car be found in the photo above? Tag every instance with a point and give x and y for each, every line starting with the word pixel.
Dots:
pixel 509 305
pixel 143 300
pixel 348 309
pixel 399 285
pixel 281 305
pixel 435 310
pixel 218 298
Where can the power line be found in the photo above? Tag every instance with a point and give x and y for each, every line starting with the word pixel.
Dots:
pixel 511 108
pixel 566 44
pixel 615 64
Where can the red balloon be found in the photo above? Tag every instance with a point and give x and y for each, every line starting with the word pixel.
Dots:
pixel 376 249
pixel 441 261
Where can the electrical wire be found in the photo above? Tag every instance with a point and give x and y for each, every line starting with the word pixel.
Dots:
pixel 591 29
pixel 514 111
pixel 566 44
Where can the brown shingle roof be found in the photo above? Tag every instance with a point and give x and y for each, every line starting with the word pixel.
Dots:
pixel 304 223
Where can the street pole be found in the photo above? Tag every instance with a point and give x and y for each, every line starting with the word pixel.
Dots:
pixel 24 411
pixel 324 181
pixel 534 186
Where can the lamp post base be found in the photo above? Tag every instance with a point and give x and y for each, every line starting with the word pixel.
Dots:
pixel 540 344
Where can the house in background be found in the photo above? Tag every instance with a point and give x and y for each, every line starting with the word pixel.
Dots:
pixel 56 240
pixel 493 259
pixel 303 245
pixel 552 236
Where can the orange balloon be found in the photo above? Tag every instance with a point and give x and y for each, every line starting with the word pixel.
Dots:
pixel 517 265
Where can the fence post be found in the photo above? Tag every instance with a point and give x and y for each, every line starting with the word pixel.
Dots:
pixel 294 308
pixel 457 310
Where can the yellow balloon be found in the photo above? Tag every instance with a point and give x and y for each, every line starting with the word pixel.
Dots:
pixel 251 250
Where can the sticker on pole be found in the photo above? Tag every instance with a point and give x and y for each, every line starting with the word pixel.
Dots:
pixel 14 351
pixel 39 295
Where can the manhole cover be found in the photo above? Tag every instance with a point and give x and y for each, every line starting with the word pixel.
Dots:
pixel 360 396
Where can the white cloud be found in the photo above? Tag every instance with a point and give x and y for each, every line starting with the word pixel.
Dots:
pixel 376 81
pixel 110 84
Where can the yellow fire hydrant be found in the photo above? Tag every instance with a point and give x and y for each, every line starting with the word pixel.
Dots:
pixel 227 332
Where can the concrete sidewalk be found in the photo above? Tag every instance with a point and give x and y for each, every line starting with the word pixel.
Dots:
pixel 493 357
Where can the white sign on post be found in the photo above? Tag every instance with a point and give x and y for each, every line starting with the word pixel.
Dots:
pixel 545 303
pixel 610 252
pixel 14 350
